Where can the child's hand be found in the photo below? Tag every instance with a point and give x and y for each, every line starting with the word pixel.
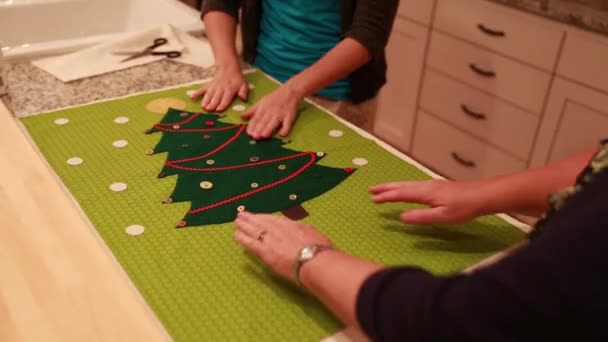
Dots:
pixel 218 94
pixel 449 202
pixel 278 108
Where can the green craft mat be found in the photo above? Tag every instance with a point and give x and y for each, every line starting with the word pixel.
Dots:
pixel 199 282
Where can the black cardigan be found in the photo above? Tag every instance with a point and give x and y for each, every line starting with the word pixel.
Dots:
pixel 554 287
pixel 369 22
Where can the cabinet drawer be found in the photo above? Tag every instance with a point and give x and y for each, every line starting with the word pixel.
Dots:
pixel 510 32
pixel 457 155
pixel 575 119
pixel 417 10
pixel 506 78
pixel 584 59
pixel 580 128
pixel 482 115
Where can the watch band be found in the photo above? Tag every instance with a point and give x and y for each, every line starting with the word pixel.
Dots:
pixel 307 253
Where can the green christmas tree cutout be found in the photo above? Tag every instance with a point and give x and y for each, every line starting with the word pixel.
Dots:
pixel 222 171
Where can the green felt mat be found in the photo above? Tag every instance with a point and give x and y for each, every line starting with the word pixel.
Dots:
pixel 198 281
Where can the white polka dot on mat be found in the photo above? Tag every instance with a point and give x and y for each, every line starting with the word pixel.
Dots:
pixel 190 93
pixel 251 86
pixel 61 121
pixel 75 161
pixel 118 187
pixel 121 120
pixel 360 161
pixel 135 229
pixel 120 143
pixel 239 107
pixel 336 133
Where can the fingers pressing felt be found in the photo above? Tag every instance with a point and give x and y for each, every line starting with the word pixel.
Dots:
pixel 251 244
pixel 243 93
pixel 385 187
pixel 248 226
pixel 224 102
pixel 215 101
pixel 286 125
pixel 268 126
pixel 198 93
pixel 207 98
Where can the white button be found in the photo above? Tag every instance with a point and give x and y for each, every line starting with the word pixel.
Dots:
pixel 254 185
pixel 190 93
pixel 206 185
pixel 120 143
pixel 320 154
pixel 135 229
pixel 118 187
pixel 360 161
pixel 336 133
pixel 75 161
pixel 121 120
pixel 239 107
pixel 210 162
pixel 61 121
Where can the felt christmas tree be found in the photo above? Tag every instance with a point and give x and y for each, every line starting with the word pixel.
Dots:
pixel 221 170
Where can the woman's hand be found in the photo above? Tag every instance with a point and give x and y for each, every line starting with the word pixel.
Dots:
pixel 276 240
pixel 218 94
pixel 278 108
pixel 450 202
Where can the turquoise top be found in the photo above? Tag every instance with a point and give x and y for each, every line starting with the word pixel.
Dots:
pixel 294 34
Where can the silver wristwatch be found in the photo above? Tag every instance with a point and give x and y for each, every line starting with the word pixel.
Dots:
pixel 306 254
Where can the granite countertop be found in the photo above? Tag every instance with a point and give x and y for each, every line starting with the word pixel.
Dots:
pixel 589 15
pixel 33 90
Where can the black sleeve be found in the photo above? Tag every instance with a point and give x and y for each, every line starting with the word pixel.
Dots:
pixel 554 286
pixel 230 7
pixel 372 23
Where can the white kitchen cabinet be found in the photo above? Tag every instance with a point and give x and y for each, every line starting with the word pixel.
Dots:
pixel 503 77
pixel 480 114
pixel 420 11
pixel 576 119
pixel 457 155
pixel 481 89
pixel 510 32
pixel 397 101
pixel 585 59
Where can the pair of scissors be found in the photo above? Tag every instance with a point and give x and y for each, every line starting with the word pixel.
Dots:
pixel 150 51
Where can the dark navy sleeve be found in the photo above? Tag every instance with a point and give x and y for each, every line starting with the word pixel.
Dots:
pixel 554 286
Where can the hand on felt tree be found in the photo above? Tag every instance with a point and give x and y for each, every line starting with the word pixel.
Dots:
pixel 276 240
pixel 449 201
pixel 277 109
pixel 219 93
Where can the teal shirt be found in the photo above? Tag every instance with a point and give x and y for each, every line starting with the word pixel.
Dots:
pixel 294 34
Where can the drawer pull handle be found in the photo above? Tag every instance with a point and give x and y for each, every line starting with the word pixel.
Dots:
pixel 490 32
pixel 480 71
pixel 462 161
pixel 474 115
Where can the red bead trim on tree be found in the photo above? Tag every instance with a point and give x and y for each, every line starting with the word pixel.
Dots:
pixel 164 126
pixel 173 164
pixel 265 187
